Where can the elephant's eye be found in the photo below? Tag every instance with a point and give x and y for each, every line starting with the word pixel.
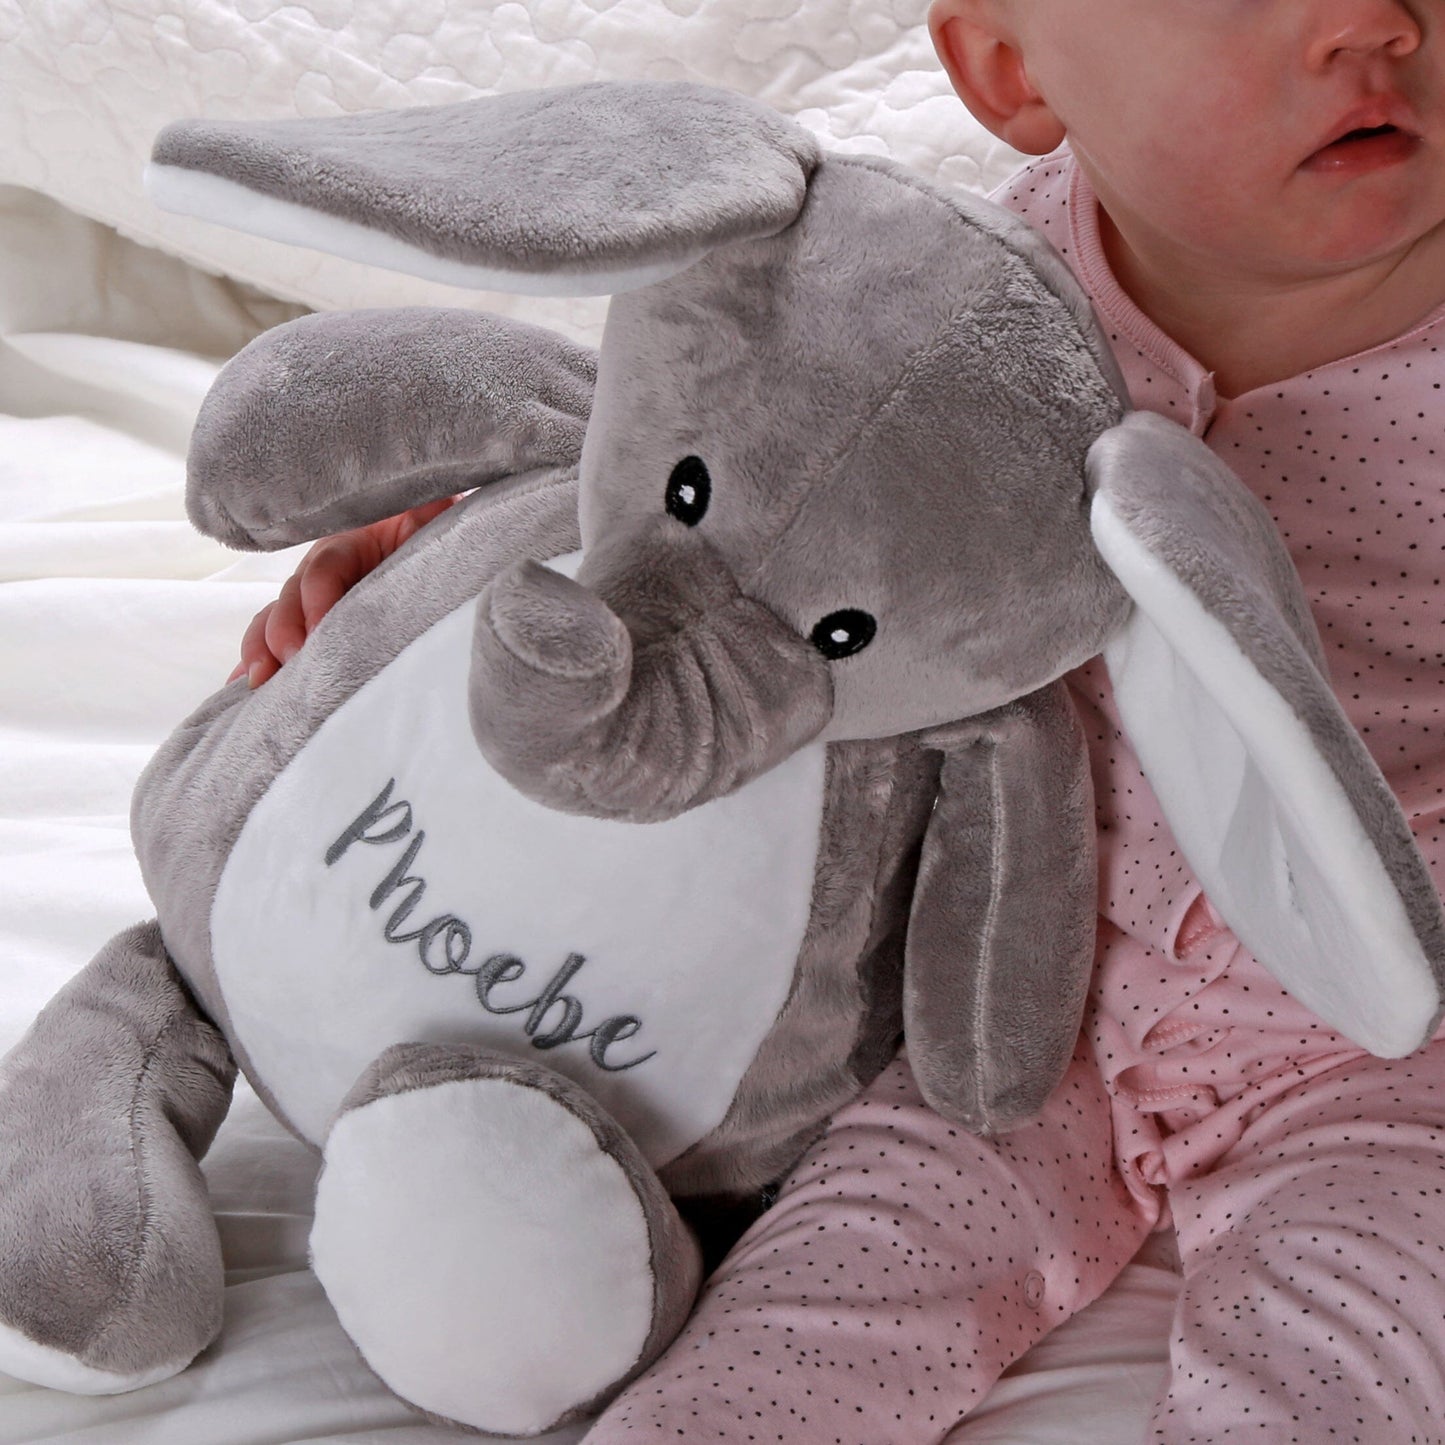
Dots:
pixel 841 634
pixel 689 489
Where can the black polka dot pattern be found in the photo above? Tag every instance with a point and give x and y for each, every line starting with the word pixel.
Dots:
pixel 906 1264
pixel 1314 1260
pixel 902 1268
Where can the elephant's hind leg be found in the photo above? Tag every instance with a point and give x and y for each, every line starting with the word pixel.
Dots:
pixel 493 1242
pixel 110 1265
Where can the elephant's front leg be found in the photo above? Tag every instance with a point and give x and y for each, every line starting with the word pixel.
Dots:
pixel 492 1241
pixel 110 1264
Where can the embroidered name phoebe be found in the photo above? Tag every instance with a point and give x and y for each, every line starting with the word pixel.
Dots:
pixel 444 944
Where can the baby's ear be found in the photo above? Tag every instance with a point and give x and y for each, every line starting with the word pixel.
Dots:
pixel 581 190
pixel 985 64
pixel 1218 676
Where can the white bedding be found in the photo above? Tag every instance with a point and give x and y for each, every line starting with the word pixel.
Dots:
pixel 85 85
pixel 115 618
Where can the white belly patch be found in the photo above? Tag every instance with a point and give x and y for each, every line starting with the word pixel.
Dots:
pixel 390 887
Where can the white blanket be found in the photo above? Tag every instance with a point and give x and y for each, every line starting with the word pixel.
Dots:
pixel 85 85
pixel 115 618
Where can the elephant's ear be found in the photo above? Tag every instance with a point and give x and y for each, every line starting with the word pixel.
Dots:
pixel 1218 676
pixel 575 191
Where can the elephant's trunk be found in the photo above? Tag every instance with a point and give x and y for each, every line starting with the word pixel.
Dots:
pixel 682 694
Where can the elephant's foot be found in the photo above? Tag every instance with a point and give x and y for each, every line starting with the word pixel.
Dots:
pixel 493 1243
pixel 110 1265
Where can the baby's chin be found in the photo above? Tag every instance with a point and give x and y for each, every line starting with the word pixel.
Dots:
pixel 1339 221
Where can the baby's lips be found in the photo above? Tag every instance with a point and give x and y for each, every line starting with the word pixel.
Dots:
pixel 1379 113
pixel 1363 152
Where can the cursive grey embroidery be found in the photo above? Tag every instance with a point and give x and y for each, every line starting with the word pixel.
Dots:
pixel 444 944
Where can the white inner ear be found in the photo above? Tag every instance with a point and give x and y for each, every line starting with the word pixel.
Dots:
pixel 1258 812
pixel 225 203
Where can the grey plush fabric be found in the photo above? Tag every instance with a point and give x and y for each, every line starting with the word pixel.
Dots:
pixel 333 421
pixel 108 1251
pixel 1001 938
pixel 485 181
pixel 913 383
pixel 845 1022
pixel 1217 537
pixel 835 486
pixel 683 694
pixel 909 442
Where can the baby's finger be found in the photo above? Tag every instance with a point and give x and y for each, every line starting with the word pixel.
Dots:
pixel 262 670
pixel 331 569
pixel 257 663
pixel 253 643
pixel 286 625
pixel 410 523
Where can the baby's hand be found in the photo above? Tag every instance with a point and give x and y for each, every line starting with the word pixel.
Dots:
pixel 327 572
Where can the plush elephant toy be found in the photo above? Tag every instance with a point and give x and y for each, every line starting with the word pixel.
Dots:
pixel 605 840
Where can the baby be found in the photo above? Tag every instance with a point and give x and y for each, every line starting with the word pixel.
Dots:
pixel 1254 196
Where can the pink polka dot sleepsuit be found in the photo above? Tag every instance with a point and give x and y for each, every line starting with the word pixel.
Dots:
pixel 906 1264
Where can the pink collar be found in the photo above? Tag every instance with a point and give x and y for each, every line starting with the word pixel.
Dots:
pixel 1123 318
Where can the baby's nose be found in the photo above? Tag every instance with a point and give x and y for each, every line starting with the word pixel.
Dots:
pixel 1342 28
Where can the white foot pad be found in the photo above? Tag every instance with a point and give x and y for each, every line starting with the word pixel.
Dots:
pixel 488 1259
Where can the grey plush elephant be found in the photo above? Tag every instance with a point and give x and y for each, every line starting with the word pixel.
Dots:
pixel 605 840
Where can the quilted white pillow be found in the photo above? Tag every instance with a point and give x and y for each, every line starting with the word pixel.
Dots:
pixel 85 85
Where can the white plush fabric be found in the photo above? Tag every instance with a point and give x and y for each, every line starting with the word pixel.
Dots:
pixel 316 991
pixel 115 618
pixel 454 1221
